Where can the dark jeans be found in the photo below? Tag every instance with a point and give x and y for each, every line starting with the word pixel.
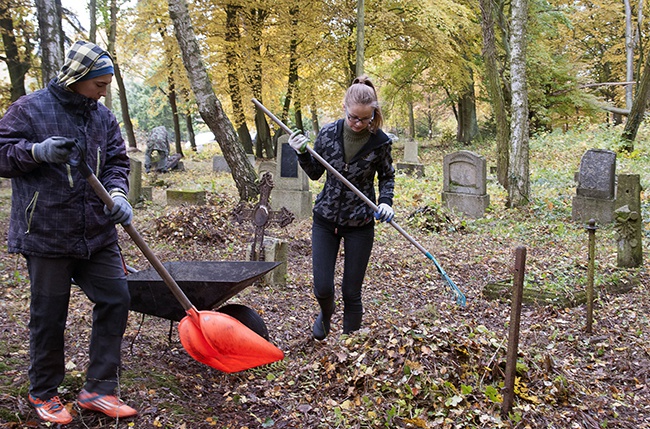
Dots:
pixel 357 246
pixel 103 280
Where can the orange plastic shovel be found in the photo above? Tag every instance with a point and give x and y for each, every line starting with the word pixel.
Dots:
pixel 213 338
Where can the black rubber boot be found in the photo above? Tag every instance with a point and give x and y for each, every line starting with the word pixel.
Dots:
pixel 351 322
pixel 322 324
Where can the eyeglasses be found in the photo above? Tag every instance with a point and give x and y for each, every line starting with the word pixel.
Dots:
pixel 356 119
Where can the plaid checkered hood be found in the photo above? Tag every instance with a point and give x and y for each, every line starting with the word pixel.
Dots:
pixel 80 60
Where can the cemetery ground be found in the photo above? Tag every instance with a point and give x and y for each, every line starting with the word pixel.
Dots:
pixel 420 361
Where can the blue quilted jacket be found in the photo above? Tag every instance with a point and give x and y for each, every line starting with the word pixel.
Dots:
pixel 336 203
pixel 54 212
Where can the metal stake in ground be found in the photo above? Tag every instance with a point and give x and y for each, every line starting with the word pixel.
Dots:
pixel 513 336
pixel 261 215
pixel 591 229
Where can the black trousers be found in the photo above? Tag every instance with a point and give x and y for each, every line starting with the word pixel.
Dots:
pixel 103 280
pixel 357 246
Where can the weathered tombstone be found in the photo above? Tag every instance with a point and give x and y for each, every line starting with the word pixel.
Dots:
pixel 135 182
pixel 411 164
pixel 629 222
pixel 291 183
pixel 464 183
pixel 266 248
pixel 595 193
pixel 176 197
pixel 220 165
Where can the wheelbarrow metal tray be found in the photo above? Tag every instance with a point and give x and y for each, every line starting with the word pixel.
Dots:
pixel 207 284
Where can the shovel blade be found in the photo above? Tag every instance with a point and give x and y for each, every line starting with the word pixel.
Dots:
pixel 224 343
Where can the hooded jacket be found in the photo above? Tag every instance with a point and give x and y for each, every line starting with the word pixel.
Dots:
pixel 54 212
pixel 336 203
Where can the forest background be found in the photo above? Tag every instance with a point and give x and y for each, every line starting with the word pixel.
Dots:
pixel 445 73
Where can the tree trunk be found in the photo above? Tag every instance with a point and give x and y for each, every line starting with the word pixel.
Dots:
pixel 15 66
pixel 361 30
pixel 112 35
pixel 92 7
pixel 315 125
pixel 638 109
pixel 51 34
pixel 263 142
pixel 126 117
pixel 190 130
pixel 467 124
pixel 171 96
pixel 495 90
pixel 409 105
pixel 232 38
pixel 210 108
pixel 518 174
pixel 629 54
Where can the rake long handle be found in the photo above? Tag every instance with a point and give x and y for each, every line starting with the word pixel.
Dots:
pixel 460 298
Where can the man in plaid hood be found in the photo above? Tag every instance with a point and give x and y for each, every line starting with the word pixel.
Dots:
pixel 64 230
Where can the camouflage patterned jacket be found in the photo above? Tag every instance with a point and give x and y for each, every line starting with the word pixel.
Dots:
pixel 336 202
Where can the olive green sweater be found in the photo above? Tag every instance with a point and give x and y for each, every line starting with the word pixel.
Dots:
pixel 353 141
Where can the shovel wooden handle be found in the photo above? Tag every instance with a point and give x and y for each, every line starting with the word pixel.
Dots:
pixel 103 194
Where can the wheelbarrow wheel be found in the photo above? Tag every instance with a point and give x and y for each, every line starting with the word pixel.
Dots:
pixel 248 317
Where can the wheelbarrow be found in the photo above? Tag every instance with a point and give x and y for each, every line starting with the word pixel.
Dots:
pixel 207 284
pixel 214 338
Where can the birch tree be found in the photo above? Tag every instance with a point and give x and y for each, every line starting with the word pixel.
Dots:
pixel 51 35
pixel 209 106
pixel 518 173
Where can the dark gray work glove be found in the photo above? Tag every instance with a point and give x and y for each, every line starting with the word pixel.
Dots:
pixel 55 150
pixel 121 211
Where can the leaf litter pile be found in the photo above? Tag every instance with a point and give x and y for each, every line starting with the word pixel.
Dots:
pixel 419 361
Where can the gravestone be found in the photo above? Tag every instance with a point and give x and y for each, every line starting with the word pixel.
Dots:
pixel 291 183
pixel 135 182
pixel 595 192
pixel 629 222
pixel 219 164
pixel 411 164
pixel 464 183
pixel 177 197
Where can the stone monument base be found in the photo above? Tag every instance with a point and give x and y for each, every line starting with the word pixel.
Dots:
pixel 177 197
pixel 471 205
pixel 275 250
pixel 586 208
pixel 297 202
pixel 411 169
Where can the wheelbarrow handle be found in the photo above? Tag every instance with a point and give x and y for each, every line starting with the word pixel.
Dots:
pixel 103 194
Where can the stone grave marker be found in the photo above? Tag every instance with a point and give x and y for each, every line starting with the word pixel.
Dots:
pixel 135 182
pixel 464 183
pixel 411 164
pixel 595 192
pixel 291 183
pixel 177 197
pixel 629 221
pixel 219 164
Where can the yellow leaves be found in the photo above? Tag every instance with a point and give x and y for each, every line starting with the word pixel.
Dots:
pixel 417 422
pixel 521 390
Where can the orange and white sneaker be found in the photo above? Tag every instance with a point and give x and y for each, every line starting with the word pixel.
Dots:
pixel 110 405
pixel 51 410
